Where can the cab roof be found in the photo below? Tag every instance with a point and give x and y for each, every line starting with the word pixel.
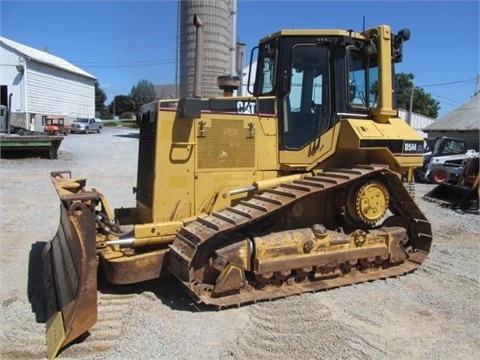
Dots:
pixel 312 32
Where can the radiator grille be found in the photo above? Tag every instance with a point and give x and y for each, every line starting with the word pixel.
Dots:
pixel 146 161
pixel 226 144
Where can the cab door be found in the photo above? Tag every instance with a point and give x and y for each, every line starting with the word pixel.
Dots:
pixel 305 110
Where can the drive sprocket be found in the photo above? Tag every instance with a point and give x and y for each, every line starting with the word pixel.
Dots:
pixel 369 202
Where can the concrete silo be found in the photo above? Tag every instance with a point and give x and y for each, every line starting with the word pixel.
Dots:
pixel 217 17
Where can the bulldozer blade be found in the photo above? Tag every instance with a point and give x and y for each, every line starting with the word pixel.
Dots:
pixel 70 277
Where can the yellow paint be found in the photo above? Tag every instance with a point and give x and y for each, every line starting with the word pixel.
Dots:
pixel 55 335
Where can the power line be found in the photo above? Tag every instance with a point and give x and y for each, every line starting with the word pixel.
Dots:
pixel 123 62
pixel 445 99
pixel 116 64
pixel 469 81
pixel 132 65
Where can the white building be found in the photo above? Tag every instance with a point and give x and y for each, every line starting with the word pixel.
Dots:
pixel 417 122
pixel 35 84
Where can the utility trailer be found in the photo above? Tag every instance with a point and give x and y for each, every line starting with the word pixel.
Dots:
pixel 12 145
pixel 16 141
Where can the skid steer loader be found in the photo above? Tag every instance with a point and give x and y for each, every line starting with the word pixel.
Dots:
pixel 445 162
pixel 299 187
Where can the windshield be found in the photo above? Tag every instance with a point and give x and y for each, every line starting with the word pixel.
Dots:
pixel 265 81
pixel 82 120
pixel 449 147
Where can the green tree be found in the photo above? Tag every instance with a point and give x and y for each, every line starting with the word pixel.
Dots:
pixel 121 104
pixel 142 93
pixel 423 103
pixel 100 97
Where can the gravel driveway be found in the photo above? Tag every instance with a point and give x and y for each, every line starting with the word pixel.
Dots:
pixel 432 313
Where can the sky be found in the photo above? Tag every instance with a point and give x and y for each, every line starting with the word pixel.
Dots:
pixel 121 42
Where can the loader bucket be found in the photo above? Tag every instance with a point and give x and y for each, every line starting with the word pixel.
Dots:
pixel 444 192
pixel 70 275
pixel 454 196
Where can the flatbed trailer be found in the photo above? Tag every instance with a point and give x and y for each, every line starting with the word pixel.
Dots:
pixel 46 146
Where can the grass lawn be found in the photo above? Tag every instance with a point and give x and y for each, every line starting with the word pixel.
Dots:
pixel 124 123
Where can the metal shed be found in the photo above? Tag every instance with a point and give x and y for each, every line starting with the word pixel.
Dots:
pixel 462 123
pixel 35 84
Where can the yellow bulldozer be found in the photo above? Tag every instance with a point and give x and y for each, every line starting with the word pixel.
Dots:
pixel 300 186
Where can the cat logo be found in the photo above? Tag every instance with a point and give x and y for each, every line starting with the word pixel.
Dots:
pixel 246 107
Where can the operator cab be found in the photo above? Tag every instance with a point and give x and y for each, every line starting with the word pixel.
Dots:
pixel 449 146
pixel 318 77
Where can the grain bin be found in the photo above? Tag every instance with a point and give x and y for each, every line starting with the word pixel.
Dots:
pixel 216 15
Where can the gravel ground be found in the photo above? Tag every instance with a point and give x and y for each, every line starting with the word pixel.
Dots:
pixel 432 313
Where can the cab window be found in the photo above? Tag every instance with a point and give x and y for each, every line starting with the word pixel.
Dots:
pixel 265 82
pixel 362 78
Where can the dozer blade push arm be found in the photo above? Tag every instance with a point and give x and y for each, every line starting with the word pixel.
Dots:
pixel 70 265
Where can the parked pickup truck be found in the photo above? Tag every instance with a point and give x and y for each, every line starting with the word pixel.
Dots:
pixel 86 125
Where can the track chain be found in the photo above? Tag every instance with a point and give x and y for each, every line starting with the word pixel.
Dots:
pixel 195 236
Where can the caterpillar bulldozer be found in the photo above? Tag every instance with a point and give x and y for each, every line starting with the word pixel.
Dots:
pixel 300 186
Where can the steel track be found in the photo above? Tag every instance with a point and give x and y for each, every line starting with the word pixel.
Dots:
pixel 195 237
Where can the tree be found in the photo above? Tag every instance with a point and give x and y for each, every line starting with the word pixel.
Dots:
pixel 122 104
pixel 423 103
pixel 100 98
pixel 142 93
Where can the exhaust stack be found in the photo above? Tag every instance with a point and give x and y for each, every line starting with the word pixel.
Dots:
pixel 197 90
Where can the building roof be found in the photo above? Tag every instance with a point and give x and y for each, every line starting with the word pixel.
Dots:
pixel 167 91
pixel 44 57
pixel 465 117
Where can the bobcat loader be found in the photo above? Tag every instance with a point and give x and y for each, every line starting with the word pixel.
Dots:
pixel 299 187
pixel 446 161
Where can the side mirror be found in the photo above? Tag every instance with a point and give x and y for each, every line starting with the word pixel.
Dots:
pixel 403 35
